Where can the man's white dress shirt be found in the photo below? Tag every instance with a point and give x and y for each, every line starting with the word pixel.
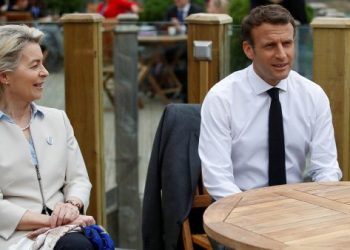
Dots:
pixel 233 143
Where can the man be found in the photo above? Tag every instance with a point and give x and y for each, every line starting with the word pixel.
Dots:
pixel 176 15
pixel 237 148
pixel 179 11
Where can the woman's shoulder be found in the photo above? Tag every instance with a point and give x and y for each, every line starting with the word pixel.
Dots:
pixel 49 113
pixel 48 110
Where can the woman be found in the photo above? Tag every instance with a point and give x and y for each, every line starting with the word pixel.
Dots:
pixel 43 182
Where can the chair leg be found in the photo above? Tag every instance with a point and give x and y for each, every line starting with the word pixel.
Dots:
pixel 186 235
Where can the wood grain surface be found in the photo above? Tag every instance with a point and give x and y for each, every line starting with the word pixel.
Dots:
pixel 299 216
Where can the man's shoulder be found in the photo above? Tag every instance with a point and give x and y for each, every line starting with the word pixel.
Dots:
pixel 231 83
pixel 305 88
pixel 303 82
pixel 170 12
pixel 194 8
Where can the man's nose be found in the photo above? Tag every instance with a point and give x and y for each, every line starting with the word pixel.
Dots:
pixel 280 53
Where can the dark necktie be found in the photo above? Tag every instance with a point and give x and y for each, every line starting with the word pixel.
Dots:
pixel 180 16
pixel 277 168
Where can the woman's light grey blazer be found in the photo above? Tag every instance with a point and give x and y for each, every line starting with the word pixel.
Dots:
pixel 61 165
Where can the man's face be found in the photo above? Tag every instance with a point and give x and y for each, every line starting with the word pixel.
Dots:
pixel 273 51
pixel 181 3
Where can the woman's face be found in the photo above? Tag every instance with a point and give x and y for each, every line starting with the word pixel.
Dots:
pixel 26 82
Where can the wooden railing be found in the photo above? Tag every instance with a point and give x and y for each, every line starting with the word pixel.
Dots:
pixel 331 67
pixel 83 93
pixel 83 72
pixel 204 73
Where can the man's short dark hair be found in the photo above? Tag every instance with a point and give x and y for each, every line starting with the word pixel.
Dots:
pixel 272 14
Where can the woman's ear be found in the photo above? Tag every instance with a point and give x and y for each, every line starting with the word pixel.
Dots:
pixel 4 78
pixel 248 50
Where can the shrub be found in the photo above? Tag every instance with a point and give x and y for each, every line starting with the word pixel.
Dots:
pixel 238 10
pixel 154 10
pixel 64 6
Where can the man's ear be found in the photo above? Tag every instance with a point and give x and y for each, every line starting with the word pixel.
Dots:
pixel 248 50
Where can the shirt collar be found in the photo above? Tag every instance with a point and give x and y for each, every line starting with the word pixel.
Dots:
pixel 259 85
pixel 36 112
pixel 185 9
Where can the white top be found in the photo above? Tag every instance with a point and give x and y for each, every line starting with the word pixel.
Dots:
pixel 233 143
pixel 62 169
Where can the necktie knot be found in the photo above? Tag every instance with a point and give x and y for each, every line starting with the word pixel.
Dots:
pixel 274 93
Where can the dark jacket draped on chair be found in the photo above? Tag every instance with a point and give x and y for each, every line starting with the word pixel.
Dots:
pixel 173 173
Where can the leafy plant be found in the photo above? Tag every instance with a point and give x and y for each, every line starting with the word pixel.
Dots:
pixel 62 7
pixel 238 10
pixel 154 10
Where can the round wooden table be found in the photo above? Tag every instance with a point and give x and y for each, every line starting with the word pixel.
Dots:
pixel 299 216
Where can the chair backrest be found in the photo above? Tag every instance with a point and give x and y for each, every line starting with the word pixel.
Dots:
pixel 174 197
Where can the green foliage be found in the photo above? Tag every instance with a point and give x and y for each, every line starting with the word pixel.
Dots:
pixel 238 10
pixel 64 6
pixel 154 10
pixel 309 13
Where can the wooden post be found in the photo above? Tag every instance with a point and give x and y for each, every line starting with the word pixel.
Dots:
pixel 203 79
pixel 214 28
pixel 331 68
pixel 83 91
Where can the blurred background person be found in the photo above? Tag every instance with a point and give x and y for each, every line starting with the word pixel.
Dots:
pixel 3 6
pixel 38 8
pixel 113 8
pixel 218 6
pixel 18 5
pixel 177 13
pixel 35 7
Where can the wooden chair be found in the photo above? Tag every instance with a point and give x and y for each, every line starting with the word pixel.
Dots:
pixel 16 16
pixel 201 199
pixel 174 184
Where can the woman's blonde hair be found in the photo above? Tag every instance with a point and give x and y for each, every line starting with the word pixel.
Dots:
pixel 13 38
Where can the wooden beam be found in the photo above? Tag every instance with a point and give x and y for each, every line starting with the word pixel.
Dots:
pixel 214 28
pixel 331 68
pixel 83 93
